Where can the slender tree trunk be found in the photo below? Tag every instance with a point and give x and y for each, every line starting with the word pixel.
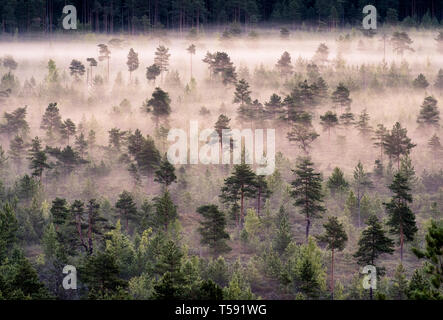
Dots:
pixel 401 244
pixel 258 202
pixel 332 273
pixel 240 223
pixel 308 225
pixel 90 233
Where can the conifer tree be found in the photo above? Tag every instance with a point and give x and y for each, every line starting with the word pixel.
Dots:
pixel 439 81
pixel 401 42
pixel 239 186
pixel 329 120
pixel 303 135
pixel 335 237
pixel 379 138
pixel 166 173
pixel 399 286
pixel 152 72
pixel 17 149
pixel 401 218
pixel 162 59
pixel 51 122
pixel 212 228
pixel 191 50
pixel 37 158
pixel 432 269
pixel 429 113
pixel 67 129
pixel 274 107
pixel 222 124
pixel 16 123
pixel 105 54
pixel 340 97
pixel 81 145
pixel 132 62
pixel 435 147
pixel 283 235
pixel 362 124
pixel 77 69
pixel 397 143
pixel 126 207
pixel 362 183
pixel 284 66
pixel 372 243
pixel 160 103
pixel 242 95
pixel 165 211
pixel 307 191
pixel 337 182
pixel 92 63
pixel 420 82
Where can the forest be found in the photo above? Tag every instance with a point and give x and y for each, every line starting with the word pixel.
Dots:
pixel 87 177
pixel 23 17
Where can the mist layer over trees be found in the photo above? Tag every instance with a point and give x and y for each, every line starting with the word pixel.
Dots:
pixel 85 179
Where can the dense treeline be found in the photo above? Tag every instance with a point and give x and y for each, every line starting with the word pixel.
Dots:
pixel 138 16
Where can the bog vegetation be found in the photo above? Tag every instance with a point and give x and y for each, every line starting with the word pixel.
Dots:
pixel 85 180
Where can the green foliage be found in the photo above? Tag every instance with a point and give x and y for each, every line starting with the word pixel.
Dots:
pixel 212 229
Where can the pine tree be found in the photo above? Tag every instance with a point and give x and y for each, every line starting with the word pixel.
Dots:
pixel 284 66
pixel 116 138
pixel 191 50
pixel 380 136
pixel 132 62
pixel 321 55
pixel 429 113
pixel 329 120
pixel 337 182
pixel 17 148
pixel 152 72
pixel 165 211
pixel 97 224
pixel 401 219
pixel 105 54
pixel 362 124
pixel 335 237
pixel 77 69
pixel 420 82
pixel 127 208
pixel 399 286
pixel 160 103
pixel 439 81
pixel 303 135
pixel 51 122
pixel 8 229
pixel 81 145
pixel 101 275
pixel 222 124
pixel 16 123
pixel 433 253
pixel 263 192
pixel 283 235
pixel 274 107
pixel 307 191
pixel 162 59
pixel 435 147
pixel 340 97
pixel 397 143
pixel 242 95
pixel 239 186
pixel 67 129
pixel 166 173
pixel 361 184
pixel 372 243
pixel 92 63
pixel 212 228
pixel 401 42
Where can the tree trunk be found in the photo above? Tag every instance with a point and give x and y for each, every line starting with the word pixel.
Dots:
pixel 401 244
pixel 240 222
pixel 308 225
pixel 332 274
